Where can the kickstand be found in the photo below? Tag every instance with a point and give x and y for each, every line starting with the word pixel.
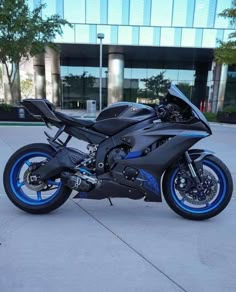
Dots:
pixel 109 199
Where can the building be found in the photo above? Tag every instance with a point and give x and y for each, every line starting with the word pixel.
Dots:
pixel 142 38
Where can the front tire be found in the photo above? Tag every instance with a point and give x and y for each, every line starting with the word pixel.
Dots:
pixel 214 203
pixel 33 198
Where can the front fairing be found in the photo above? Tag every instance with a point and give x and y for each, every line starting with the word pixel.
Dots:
pixel 174 91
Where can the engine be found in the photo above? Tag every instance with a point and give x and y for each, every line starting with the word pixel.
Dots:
pixel 114 156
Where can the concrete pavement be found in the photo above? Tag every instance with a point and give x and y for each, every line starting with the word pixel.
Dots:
pixel 132 246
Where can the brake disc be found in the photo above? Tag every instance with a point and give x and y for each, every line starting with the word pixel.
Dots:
pixel 189 192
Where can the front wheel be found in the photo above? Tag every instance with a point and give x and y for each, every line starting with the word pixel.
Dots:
pixel 26 192
pixel 188 201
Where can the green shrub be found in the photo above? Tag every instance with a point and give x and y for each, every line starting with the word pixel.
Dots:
pixel 229 109
pixel 6 107
pixel 211 117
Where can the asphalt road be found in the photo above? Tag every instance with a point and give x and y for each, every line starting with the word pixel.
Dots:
pixel 132 246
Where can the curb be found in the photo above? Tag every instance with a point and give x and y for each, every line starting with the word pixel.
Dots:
pixel 22 124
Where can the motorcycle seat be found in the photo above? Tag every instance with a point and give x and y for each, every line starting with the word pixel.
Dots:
pixel 72 121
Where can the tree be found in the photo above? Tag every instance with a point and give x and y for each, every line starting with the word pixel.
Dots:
pixel 155 86
pixel 24 34
pixel 226 52
pixel 185 88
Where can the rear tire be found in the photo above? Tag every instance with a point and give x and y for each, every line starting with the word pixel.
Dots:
pixel 14 185
pixel 222 199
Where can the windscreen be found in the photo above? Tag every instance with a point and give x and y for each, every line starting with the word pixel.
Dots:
pixel 173 90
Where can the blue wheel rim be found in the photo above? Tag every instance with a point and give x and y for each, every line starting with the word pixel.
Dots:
pixel 17 185
pixel 217 200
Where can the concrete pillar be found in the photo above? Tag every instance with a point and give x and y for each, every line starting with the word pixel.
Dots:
pixel 55 77
pixel 115 77
pixel 216 69
pixel 39 76
pixel 200 84
pixel 222 86
pixel 219 86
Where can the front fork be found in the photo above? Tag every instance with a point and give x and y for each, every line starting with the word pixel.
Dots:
pixel 195 175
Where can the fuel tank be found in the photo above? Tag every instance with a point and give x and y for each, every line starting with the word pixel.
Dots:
pixel 121 115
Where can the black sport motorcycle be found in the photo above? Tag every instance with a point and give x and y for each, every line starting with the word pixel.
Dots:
pixel 134 151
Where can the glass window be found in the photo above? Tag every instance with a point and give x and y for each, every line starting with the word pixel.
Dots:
pixel 146 36
pixel 161 12
pixel 82 33
pixel 136 12
pixel 180 12
pixel 147 12
pixel 198 37
pixel 68 35
pixel 135 35
pixel 74 11
pixel 157 34
pixel 50 8
pixel 190 13
pixel 115 12
pixel 201 13
pixel 125 35
pixel 177 40
pixel 167 36
pixel 226 34
pixel 188 37
pixel 211 13
pixel 125 12
pixel 114 34
pixel 106 30
pixel 103 11
pixel 92 11
pixel 60 8
pixel 209 38
pixel 221 22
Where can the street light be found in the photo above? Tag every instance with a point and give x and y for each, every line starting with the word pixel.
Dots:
pixel 101 37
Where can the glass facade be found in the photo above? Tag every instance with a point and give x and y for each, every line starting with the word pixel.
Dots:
pixel 183 23
pixel 82 82
pixel 170 23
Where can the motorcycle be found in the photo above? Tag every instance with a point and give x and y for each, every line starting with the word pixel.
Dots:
pixel 134 151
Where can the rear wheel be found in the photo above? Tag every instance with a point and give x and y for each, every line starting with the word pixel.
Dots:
pixel 24 190
pixel 185 199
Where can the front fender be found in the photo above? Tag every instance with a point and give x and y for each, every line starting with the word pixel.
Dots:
pixel 199 154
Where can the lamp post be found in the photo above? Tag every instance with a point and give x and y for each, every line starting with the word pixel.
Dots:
pixel 100 36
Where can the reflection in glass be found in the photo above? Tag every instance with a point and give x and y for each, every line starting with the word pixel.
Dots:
pixel 125 35
pixel 167 37
pixel 201 13
pixel 147 85
pixel 188 37
pixel 80 84
pixel 161 12
pixel 180 12
pixel 209 38
pixel 93 11
pixel 50 8
pixel 68 35
pixel 146 36
pixel 227 34
pixel 74 10
pixel 82 33
pixel 115 12
pixel 221 22
pixel 136 12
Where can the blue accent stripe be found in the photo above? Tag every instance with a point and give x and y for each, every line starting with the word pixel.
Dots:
pixel 134 154
pixel 194 135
